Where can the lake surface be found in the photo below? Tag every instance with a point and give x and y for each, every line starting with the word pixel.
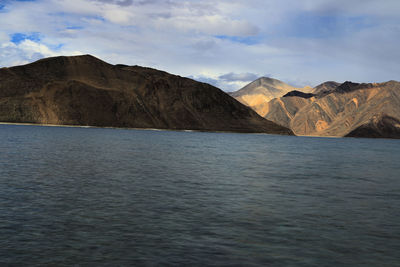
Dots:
pixel 76 196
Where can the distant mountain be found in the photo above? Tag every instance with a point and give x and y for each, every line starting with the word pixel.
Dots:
pixel 84 90
pixel 351 109
pixel 261 91
pixel 325 87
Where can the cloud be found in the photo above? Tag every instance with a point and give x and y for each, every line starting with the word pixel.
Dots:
pixel 354 7
pixel 215 25
pixel 241 77
pixel 118 16
pixel 26 50
pixel 229 82
pixel 205 79
pixel 118 2
pixel 125 3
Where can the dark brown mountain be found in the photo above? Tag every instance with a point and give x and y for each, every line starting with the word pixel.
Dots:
pixel 84 90
pixel 380 126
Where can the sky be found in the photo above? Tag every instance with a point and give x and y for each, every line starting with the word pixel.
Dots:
pixel 227 43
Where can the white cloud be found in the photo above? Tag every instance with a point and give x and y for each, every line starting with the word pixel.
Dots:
pixel 27 51
pixel 214 25
pixel 118 16
pixel 31 48
pixel 359 7
pixel 3 37
pixel 239 77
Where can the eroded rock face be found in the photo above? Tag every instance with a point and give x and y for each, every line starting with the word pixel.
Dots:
pixel 341 111
pixel 84 90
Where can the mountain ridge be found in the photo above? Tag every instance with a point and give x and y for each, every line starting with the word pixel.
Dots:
pixel 325 87
pixel 339 112
pixel 84 90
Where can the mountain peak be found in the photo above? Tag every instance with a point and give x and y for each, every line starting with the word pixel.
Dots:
pixel 268 81
pixel 325 87
pixel 259 92
pixel 70 59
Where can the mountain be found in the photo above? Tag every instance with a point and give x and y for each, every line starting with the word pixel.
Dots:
pixel 261 91
pixel 325 87
pixel 380 126
pixel 351 109
pixel 83 90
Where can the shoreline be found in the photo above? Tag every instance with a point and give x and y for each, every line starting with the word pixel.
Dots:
pixel 130 128
pixel 174 130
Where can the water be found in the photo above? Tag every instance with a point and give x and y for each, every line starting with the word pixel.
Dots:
pixel 74 196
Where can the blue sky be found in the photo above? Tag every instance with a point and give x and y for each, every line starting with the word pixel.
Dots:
pixel 227 43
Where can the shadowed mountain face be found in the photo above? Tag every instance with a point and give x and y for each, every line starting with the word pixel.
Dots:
pixel 380 126
pixel 347 87
pixel 350 109
pixel 259 92
pixel 84 90
pixel 299 94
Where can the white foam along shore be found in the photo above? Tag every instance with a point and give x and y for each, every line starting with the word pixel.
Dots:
pixel 124 128
pixel 76 126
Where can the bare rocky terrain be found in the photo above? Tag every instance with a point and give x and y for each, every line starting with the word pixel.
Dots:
pixel 325 87
pixel 341 111
pixel 337 110
pixel 261 91
pixel 380 126
pixel 84 90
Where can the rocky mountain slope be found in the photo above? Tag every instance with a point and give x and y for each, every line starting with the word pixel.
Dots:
pixel 84 90
pixel 351 109
pixel 261 91
pixel 380 126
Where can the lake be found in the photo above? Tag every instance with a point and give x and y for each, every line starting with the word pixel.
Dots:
pixel 118 197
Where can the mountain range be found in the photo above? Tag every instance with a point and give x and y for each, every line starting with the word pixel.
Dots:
pixel 84 90
pixel 334 109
